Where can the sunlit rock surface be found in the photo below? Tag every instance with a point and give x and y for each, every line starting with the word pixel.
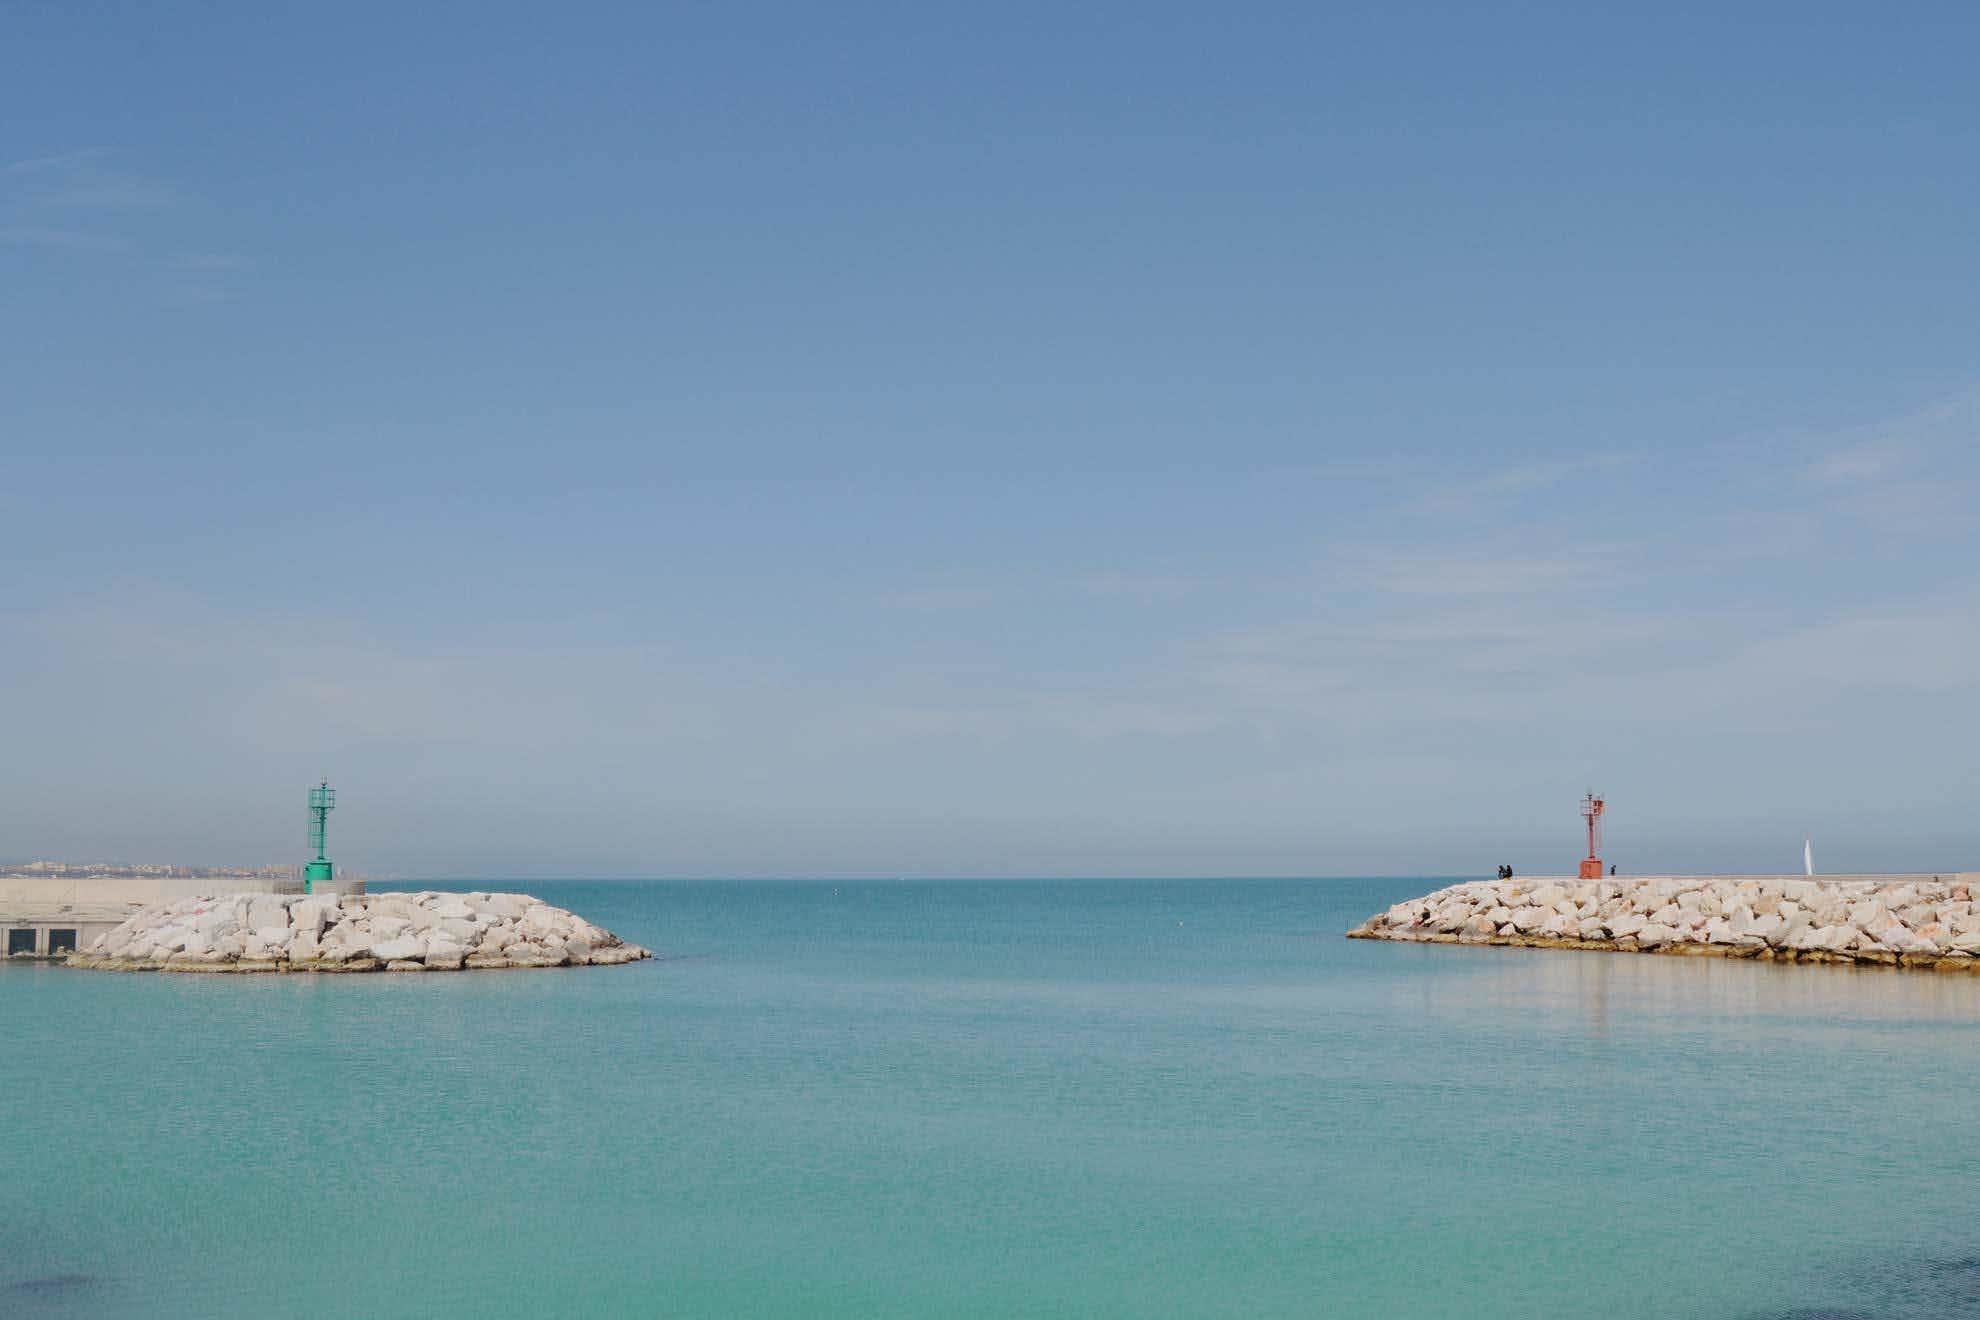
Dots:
pixel 354 933
pixel 1904 921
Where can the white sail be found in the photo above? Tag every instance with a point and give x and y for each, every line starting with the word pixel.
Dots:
pixel 1808 857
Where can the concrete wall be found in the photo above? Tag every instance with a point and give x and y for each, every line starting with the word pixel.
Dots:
pixel 42 930
pixel 136 889
pixel 92 905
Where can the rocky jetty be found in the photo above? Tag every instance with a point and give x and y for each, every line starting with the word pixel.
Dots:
pixel 1923 921
pixel 427 932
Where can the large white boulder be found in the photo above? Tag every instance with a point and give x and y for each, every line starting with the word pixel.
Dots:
pixel 461 930
pixel 311 915
pixel 546 920
pixel 1785 929
pixel 449 907
pixel 402 949
pixel 1899 938
pixel 444 954
pixel 267 911
pixel 510 907
pixel 1869 916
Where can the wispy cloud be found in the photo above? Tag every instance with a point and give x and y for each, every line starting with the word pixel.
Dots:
pixel 1142 587
pixel 1084 715
pixel 81 202
pixel 58 163
pixel 50 236
pixel 940 598
pixel 205 277
pixel 1860 462
pixel 1552 471
pixel 83 181
pixel 1737 635
pixel 1129 587
pixel 208 262
pixel 1498 484
pixel 1449 572
pixel 1924 440
pixel 1913 477
pixel 68 203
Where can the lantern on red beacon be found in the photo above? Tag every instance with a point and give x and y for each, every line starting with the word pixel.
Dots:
pixel 1591 812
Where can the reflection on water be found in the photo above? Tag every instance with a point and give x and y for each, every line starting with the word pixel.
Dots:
pixel 1676 992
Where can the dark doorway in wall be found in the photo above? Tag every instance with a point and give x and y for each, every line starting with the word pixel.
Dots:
pixel 61 941
pixel 20 941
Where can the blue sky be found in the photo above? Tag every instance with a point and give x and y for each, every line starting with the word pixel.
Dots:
pixel 866 439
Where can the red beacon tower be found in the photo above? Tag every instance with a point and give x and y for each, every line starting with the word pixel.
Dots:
pixel 1591 811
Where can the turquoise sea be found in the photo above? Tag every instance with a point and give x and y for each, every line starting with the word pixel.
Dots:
pixel 1071 1098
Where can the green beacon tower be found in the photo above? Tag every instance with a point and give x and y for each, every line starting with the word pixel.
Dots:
pixel 322 801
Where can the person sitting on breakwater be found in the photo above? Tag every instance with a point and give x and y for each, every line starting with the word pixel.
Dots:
pixel 1612 868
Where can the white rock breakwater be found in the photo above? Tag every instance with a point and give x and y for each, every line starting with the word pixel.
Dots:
pixel 353 933
pixel 1924 922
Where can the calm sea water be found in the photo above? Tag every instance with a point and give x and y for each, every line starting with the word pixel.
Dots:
pixel 996 1099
